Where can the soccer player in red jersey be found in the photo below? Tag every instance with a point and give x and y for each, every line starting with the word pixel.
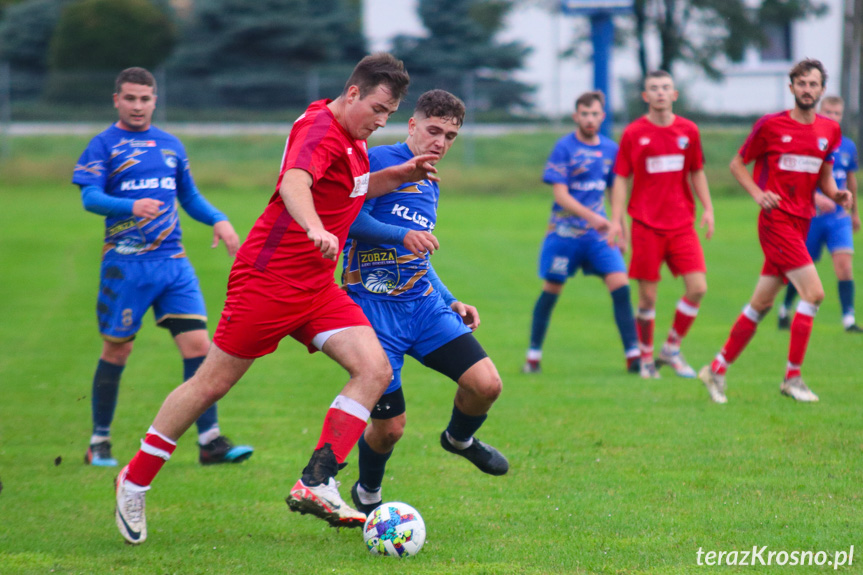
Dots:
pixel 282 285
pixel 792 151
pixel 661 153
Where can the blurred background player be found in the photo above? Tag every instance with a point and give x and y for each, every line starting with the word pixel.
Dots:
pixel 661 153
pixel 580 169
pixel 282 285
pixel 389 274
pixel 793 153
pixel 133 174
pixel 833 227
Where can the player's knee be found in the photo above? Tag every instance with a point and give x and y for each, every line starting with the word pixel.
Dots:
pixel 489 387
pixel 117 353
pixel 379 371
pixel 390 435
pixel 697 292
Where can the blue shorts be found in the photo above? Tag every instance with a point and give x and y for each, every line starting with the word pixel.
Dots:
pixel 415 327
pixel 831 231
pixel 560 258
pixel 127 289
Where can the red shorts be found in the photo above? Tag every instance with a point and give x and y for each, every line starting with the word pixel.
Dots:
pixel 783 241
pixel 679 248
pixel 260 310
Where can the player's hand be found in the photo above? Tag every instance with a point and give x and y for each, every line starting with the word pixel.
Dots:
pixel 225 231
pixel 616 236
pixel 824 204
pixel 843 198
pixel 419 168
pixel 324 241
pixel 419 242
pixel 599 223
pixel 707 222
pixel 146 208
pixel 468 313
pixel 769 200
pixel 855 222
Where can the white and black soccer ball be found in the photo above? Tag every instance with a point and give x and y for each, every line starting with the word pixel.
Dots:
pixel 395 530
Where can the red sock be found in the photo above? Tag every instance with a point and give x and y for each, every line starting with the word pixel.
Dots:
pixel 342 431
pixel 155 451
pixel 801 329
pixel 683 318
pixel 743 330
pixel 644 321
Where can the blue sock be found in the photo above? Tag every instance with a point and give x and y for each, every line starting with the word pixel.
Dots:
pixel 372 466
pixel 210 418
pixel 790 294
pixel 624 318
pixel 541 316
pixel 846 297
pixel 106 386
pixel 462 427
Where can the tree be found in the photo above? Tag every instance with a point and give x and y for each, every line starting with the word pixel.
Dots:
pixel 460 45
pixel 26 30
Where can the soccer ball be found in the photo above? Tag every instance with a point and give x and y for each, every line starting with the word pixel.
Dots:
pixel 395 530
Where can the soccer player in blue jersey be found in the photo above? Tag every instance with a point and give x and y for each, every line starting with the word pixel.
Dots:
pixel 133 174
pixel 580 169
pixel 388 273
pixel 833 226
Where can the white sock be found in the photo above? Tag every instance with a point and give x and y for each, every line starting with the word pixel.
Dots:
pixel 209 435
pixel 459 444
pixel 368 497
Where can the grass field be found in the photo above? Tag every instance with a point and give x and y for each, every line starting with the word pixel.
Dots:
pixel 609 473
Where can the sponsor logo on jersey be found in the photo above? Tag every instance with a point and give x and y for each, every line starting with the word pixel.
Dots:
pixel 142 143
pixel 800 164
pixel 588 186
pixel 361 185
pixel 664 164
pixel 405 213
pixel 379 270
pixel 644 140
pixel 170 157
pixel 683 142
pixel 786 138
pixel 822 144
pixel 350 151
pixel 166 183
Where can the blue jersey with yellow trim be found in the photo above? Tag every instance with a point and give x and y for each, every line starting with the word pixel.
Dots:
pixel 587 171
pixel 389 270
pixel 844 161
pixel 136 165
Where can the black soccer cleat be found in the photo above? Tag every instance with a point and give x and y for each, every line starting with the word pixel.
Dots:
pixel 854 328
pixel 221 450
pixel 485 457
pixel 366 508
pixel 784 322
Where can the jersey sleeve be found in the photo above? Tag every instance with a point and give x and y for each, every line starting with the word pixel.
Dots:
pixel 697 151
pixel 852 152
pixel 755 143
pixel 555 167
pixel 623 163
pixel 91 169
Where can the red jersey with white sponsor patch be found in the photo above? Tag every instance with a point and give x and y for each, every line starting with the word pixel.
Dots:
pixel 660 160
pixel 788 156
pixel 339 166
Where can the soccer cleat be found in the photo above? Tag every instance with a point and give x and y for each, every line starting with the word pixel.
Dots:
pixel 324 501
pixel 221 450
pixel 794 387
pixel 129 512
pixel 531 366
pixel 673 357
pixel 647 370
pixel 99 454
pixel 715 384
pixel 633 365
pixel 485 457
pixel 854 328
pixel 784 322
pixel 366 508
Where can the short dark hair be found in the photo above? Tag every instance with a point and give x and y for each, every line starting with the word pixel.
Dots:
pixel 379 69
pixel 140 76
pixel 803 67
pixel 657 74
pixel 440 104
pixel 588 98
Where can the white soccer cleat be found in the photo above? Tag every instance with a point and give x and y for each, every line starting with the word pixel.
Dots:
pixel 714 383
pixel 648 370
pixel 796 388
pixel 673 357
pixel 324 501
pixel 129 512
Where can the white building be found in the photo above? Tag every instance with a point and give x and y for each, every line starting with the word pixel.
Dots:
pixel 755 86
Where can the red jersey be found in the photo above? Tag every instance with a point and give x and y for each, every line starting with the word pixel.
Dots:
pixel 339 167
pixel 660 159
pixel 788 156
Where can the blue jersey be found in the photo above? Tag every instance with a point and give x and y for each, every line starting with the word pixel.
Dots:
pixel 136 165
pixel 587 171
pixel 388 270
pixel 844 161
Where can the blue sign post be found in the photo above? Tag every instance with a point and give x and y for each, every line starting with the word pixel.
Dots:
pixel 602 36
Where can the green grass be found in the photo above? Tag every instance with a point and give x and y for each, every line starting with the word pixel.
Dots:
pixel 610 474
